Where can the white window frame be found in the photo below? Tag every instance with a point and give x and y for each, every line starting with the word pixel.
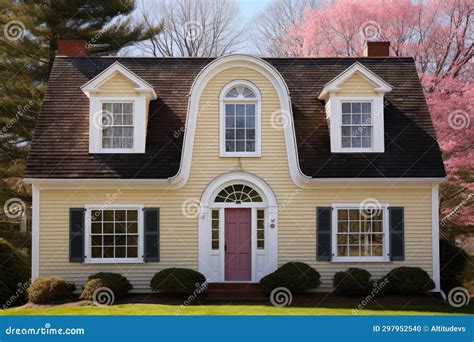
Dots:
pixel 334 115
pixel 113 149
pixel 386 239
pixel 139 123
pixel 222 103
pixel 87 236
pixel 361 124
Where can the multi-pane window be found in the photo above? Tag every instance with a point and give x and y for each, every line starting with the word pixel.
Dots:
pixel 114 233
pixel 240 121
pixel 360 233
pixel 215 229
pixel 260 229
pixel 238 193
pixel 117 125
pixel 356 125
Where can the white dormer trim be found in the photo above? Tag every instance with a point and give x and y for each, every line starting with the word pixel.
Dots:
pixel 141 86
pixel 332 87
pixel 330 94
pixel 144 93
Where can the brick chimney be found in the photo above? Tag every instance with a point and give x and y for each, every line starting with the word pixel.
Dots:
pixel 71 47
pixel 377 49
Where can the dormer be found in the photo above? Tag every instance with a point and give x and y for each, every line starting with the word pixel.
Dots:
pixel 118 110
pixel 355 110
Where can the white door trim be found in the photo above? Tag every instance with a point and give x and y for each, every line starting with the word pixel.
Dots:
pixel 212 262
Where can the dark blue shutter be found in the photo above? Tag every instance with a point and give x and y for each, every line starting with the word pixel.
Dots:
pixel 323 233
pixel 76 234
pixel 397 233
pixel 152 234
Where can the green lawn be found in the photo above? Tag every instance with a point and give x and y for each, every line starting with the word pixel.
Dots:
pixel 159 309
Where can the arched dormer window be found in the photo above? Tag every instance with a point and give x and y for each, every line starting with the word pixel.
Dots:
pixel 240 120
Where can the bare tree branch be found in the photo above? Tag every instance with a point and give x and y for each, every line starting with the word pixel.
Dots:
pixel 204 28
pixel 273 22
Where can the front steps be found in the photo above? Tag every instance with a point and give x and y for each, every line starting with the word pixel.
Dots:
pixel 236 292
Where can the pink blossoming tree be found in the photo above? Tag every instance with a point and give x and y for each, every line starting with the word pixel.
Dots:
pixel 439 35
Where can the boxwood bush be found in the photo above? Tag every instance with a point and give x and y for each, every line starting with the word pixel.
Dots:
pixel 50 290
pixel 353 282
pixel 114 281
pixel 295 276
pixel 177 281
pixel 407 281
pixel 14 275
pixel 453 262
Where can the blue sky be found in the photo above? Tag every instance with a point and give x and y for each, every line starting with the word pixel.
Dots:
pixel 249 8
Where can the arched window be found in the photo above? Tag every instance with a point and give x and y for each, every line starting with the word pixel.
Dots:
pixel 240 92
pixel 238 193
pixel 240 120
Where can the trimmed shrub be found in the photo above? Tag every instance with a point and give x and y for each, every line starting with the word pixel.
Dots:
pixel 295 276
pixel 353 282
pixel 50 290
pixel 453 264
pixel 114 281
pixel 177 281
pixel 408 280
pixel 14 275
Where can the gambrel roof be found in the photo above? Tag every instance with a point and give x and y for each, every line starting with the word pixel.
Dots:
pixel 60 145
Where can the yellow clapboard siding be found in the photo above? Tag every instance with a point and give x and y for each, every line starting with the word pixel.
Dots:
pixel 179 235
pixel 117 85
pixel 356 85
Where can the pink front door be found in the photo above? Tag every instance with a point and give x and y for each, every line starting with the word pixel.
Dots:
pixel 238 266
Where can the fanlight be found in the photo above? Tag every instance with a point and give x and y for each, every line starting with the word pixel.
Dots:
pixel 240 92
pixel 238 193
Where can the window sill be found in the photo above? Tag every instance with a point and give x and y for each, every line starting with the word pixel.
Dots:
pixel 116 151
pixel 115 261
pixel 360 259
pixel 357 150
pixel 240 155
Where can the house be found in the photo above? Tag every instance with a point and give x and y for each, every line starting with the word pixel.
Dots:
pixel 233 166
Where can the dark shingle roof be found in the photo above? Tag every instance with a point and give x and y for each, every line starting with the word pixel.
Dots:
pixel 60 145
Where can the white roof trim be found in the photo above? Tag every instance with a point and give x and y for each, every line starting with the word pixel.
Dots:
pixel 141 87
pixel 380 86
pixel 167 184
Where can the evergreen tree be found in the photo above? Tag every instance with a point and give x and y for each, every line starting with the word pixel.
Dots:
pixel 28 41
